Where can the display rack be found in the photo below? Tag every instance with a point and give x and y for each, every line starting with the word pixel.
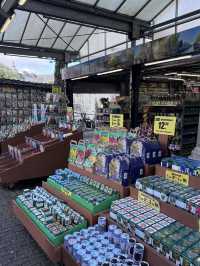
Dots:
pixel 194 181
pixel 150 254
pixel 187 115
pixel 20 137
pixel 37 164
pixel 91 218
pixel 123 191
pixel 52 252
pixel 178 214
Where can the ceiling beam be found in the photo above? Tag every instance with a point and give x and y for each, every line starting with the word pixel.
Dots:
pixel 20 49
pixel 87 15
pixel 9 5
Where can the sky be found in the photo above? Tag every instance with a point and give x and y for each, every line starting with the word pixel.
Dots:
pixel 32 65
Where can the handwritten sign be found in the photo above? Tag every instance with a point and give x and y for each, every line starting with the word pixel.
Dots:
pixel 148 200
pixel 177 177
pixel 116 120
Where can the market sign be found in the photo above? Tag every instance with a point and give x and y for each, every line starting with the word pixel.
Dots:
pixel 56 89
pixel 116 120
pixel 165 125
pixel 149 201
pixel 177 177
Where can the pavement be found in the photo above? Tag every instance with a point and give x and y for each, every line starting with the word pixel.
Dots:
pixel 17 247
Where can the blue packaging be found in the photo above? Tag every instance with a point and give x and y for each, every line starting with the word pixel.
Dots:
pixel 102 163
pixel 119 169
pixel 136 169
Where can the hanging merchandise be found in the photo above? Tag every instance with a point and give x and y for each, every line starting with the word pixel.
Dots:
pixel 81 153
pixel 90 158
pixel 102 163
pixel 73 152
pixel 50 215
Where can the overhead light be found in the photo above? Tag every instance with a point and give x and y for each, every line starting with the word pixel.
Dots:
pixel 188 75
pixel 176 79
pixel 170 74
pixel 7 23
pixel 110 72
pixel 83 77
pixel 168 60
pixel 22 2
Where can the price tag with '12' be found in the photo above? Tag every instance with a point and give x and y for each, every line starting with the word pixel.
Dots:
pixel 165 125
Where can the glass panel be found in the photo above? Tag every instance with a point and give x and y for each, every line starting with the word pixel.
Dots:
pixel 113 38
pixel 48 36
pixel 116 49
pixel 152 9
pixel 16 28
pixel 188 25
pixel 84 50
pixel 167 14
pixel 67 35
pixel 185 6
pixel 164 33
pixel 97 55
pixel 83 34
pixel 33 30
pixel 97 41
pixel 131 7
pixel 111 4
pixel 90 2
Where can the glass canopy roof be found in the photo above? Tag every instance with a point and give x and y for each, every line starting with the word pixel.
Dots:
pixel 36 30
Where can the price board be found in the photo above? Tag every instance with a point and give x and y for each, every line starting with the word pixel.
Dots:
pixel 116 120
pixel 56 89
pixel 149 201
pixel 177 177
pixel 165 125
pixel 66 192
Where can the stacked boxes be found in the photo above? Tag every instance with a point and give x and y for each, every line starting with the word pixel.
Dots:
pixel 183 197
pixel 170 238
pixel 52 216
pixel 89 193
pixel 182 164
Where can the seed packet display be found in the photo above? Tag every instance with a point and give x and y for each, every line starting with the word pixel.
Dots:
pixel 81 153
pixel 73 152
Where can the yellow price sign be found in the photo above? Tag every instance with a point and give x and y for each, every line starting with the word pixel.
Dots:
pixel 116 120
pixel 165 125
pixel 66 192
pixel 149 201
pixel 177 177
pixel 56 89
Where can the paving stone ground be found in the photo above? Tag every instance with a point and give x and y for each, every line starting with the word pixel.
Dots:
pixel 17 248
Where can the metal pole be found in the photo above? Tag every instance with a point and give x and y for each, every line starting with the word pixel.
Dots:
pixel 135 80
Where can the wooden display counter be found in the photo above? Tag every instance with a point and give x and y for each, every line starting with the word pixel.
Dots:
pixel 186 218
pixel 123 191
pixel 150 254
pixel 194 181
pixel 91 218
pixel 37 164
pixel 20 137
pixel 53 253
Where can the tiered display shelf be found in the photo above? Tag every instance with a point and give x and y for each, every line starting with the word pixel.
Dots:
pixel 194 181
pixel 123 191
pixel 91 218
pixel 54 253
pixel 178 214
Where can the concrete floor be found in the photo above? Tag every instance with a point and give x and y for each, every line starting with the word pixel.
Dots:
pixel 17 248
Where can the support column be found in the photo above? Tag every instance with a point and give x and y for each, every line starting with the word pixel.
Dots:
pixel 57 75
pixel 135 80
pixel 69 91
pixel 196 152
